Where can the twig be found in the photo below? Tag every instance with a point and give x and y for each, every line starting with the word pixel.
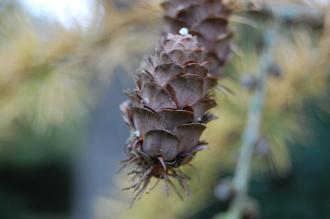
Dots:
pixel 292 13
pixel 252 129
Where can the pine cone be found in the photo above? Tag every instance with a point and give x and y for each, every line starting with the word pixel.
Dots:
pixel 167 112
pixel 206 19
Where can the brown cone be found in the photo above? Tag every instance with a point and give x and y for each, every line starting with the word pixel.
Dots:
pixel 167 111
pixel 206 19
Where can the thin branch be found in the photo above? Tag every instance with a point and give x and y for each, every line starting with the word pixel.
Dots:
pixel 252 129
pixel 292 13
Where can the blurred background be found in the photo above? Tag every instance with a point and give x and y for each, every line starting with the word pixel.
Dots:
pixel 63 68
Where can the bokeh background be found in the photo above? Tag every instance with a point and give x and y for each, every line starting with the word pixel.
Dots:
pixel 63 68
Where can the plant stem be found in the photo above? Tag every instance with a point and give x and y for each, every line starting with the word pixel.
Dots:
pixel 252 130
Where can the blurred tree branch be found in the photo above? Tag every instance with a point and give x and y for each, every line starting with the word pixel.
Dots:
pixel 286 13
pixel 293 13
pixel 252 129
pixel 290 12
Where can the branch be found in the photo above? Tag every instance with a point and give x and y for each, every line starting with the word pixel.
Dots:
pixel 288 12
pixel 252 130
pixel 292 13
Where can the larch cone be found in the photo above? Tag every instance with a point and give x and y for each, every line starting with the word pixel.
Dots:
pixel 206 19
pixel 167 112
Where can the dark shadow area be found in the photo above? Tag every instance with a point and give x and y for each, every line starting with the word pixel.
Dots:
pixel 34 190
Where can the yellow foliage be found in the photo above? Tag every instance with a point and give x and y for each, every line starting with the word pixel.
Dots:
pixel 45 78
